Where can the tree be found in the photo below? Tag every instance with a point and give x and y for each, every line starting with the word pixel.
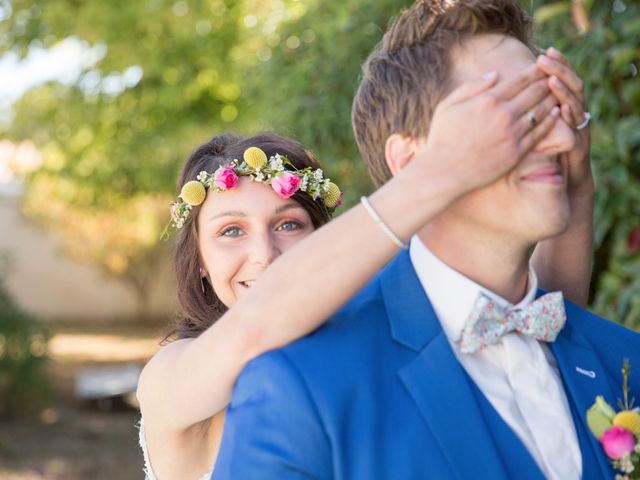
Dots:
pixel 602 44
pixel 113 141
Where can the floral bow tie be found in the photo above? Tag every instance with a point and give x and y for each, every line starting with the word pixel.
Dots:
pixel 542 319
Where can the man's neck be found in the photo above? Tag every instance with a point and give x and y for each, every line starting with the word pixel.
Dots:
pixel 498 264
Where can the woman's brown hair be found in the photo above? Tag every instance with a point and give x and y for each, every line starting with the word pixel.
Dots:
pixel 201 307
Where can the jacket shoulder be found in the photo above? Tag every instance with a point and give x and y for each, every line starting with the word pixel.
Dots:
pixel 602 334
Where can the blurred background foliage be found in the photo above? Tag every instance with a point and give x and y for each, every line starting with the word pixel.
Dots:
pixel 160 77
pixel 24 385
pixel 602 40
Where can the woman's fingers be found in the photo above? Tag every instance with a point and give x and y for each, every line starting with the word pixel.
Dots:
pixel 557 55
pixel 511 87
pixel 530 119
pixel 564 73
pixel 471 88
pixel 565 84
pixel 530 97
pixel 533 136
pixel 572 108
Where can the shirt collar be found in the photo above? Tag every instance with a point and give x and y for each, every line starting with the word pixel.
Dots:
pixel 453 295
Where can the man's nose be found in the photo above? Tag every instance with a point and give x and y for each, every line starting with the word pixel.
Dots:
pixel 560 139
pixel 264 249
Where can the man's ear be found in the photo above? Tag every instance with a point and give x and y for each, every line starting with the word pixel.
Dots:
pixel 399 150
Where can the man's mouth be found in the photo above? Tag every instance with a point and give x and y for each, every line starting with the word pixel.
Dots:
pixel 550 173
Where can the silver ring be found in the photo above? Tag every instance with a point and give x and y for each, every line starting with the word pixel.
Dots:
pixel 587 119
pixel 532 119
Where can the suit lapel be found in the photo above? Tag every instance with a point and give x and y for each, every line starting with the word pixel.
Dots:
pixel 584 378
pixel 443 394
pixel 435 380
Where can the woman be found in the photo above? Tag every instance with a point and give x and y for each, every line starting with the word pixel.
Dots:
pixel 231 233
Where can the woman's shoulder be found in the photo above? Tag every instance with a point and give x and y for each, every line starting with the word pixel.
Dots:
pixel 154 371
pixel 167 354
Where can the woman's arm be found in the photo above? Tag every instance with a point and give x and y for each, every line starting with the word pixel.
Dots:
pixel 564 262
pixel 189 381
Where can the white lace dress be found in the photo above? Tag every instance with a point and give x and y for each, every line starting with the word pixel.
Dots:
pixel 148 472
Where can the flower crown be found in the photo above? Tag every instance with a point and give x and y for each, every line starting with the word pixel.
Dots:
pixel 257 167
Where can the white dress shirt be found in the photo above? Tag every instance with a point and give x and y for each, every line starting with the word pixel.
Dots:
pixel 518 375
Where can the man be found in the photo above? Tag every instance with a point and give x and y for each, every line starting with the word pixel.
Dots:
pixel 411 379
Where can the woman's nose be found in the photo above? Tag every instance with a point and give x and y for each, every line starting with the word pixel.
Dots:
pixel 560 139
pixel 264 250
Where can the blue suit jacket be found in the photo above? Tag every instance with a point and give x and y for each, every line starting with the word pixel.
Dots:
pixel 377 393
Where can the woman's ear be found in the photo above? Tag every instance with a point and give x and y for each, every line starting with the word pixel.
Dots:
pixel 399 150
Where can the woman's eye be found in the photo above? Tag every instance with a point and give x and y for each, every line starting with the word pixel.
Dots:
pixel 290 226
pixel 231 232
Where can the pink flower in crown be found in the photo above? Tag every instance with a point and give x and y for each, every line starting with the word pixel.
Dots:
pixel 286 184
pixel 226 178
pixel 617 442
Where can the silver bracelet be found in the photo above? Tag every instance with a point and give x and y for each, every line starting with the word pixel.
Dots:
pixel 383 226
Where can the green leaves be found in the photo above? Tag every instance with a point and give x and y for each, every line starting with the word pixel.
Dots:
pixel 607 57
pixel 600 417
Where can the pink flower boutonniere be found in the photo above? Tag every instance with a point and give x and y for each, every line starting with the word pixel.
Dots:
pixel 618 432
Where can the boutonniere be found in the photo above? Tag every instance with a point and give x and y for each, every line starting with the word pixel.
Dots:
pixel 618 432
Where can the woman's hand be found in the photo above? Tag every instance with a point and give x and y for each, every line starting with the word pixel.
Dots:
pixel 485 127
pixel 568 90
pixel 564 262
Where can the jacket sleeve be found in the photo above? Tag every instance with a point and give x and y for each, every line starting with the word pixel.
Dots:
pixel 272 428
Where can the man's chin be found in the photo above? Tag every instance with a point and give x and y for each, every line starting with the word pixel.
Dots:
pixel 555 227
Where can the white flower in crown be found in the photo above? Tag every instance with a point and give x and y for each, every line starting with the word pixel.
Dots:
pixel 318 175
pixel 304 183
pixel 276 163
pixel 259 176
pixel 325 185
pixel 202 176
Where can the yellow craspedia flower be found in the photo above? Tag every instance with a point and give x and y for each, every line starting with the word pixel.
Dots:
pixel 332 195
pixel 629 420
pixel 255 157
pixel 193 193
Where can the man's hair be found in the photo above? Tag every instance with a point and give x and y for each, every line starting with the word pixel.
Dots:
pixel 408 73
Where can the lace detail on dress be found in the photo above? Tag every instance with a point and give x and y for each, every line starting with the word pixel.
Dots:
pixel 148 473
pixel 142 441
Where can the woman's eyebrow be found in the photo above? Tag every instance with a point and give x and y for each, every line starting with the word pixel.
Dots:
pixel 230 213
pixel 238 213
pixel 288 206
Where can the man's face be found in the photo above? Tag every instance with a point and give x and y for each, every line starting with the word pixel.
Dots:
pixel 530 202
